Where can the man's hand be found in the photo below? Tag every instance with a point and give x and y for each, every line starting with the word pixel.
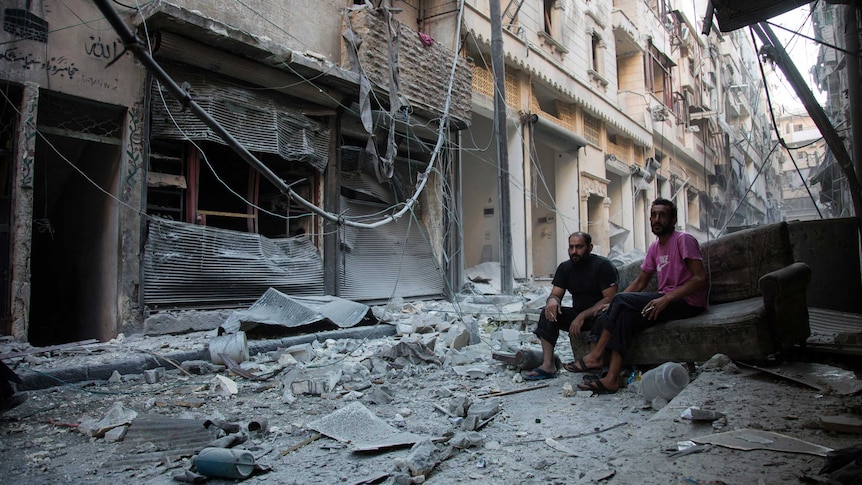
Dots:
pixel 652 310
pixel 577 324
pixel 552 308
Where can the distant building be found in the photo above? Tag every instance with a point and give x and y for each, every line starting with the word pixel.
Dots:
pixel 800 197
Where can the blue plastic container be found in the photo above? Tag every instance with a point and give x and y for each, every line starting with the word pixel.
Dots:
pixel 224 463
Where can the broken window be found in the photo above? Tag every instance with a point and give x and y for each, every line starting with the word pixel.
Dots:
pixel 216 187
pixel 658 75
pixel 203 182
pixel 550 12
pixel 596 52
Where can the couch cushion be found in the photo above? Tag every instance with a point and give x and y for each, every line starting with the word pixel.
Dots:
pixel 735 329
pixel 736 262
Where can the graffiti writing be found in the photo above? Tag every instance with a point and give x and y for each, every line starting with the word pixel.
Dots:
pixel 109 85
pixel 102 50
pixel 56 66
pixel 134 155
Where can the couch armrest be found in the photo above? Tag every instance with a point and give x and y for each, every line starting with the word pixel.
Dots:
pixel 786 306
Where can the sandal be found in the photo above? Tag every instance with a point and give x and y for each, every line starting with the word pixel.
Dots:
pixel 579 366
pixel 597 387
pixel 538 374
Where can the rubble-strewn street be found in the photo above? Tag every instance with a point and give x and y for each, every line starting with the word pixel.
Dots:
pixel 413 407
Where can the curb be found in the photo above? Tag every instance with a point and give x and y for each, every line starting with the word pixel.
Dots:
pixel 138 363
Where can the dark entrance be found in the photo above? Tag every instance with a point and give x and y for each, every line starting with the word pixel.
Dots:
pixel 75 242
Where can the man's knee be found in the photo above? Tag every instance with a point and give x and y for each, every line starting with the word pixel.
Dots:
pixel 546 329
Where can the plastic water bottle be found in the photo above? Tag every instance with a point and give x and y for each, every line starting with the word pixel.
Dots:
pixel 665 381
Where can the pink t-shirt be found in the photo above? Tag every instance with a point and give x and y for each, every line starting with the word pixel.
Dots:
pixel 668 262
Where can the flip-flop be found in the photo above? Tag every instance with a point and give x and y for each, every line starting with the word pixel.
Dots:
pixel 579 366
pixel 538 374
pixel 597 387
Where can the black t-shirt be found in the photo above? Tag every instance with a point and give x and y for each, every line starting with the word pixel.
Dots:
pixel 586 280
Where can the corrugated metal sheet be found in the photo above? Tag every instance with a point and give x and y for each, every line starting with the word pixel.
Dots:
pixel 835 332
pixel 259 122
pixel 152 439
pixel 186 265
pixel 276 308
pixel 387 261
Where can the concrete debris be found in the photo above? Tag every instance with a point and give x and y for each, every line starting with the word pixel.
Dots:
pixel 414 352
pixel 309 387
pixel 464 440
pixel 301 352
pixel 429 383
pixel 115 378
pixel 225 386
pixel 115 417
pixel 378 396
pixel 484 409
pixel 153 376
pixel 198 367
pixel 423 457
pixel 716 363
pixel 458 337
pixel 459 405
pixel 473 371
pixel 116 434
pixel 697 414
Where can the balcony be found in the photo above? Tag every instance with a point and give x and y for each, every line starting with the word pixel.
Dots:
pixel 625 34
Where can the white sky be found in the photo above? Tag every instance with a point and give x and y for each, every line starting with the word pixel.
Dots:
pixel 801 50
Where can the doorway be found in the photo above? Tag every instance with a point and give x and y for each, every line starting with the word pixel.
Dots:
pixel 75 238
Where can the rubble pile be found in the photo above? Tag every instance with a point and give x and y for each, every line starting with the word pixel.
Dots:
pixel 428 403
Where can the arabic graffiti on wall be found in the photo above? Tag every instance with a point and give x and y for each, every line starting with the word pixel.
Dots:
pixel 103 50
pixel 63 67
pixel 28 137
pixel 134 154
pixel 56 66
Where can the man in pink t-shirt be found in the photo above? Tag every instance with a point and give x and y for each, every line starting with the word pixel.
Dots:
pixel 676 260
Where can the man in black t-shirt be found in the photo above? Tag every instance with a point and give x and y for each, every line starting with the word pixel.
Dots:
pixel 592 282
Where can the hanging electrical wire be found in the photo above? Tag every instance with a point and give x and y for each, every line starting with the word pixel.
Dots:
pixel 777 130
pixel 132 43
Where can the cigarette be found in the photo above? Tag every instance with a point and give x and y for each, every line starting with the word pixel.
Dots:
pixel 647 310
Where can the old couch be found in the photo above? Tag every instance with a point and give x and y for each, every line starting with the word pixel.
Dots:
pixel 757 303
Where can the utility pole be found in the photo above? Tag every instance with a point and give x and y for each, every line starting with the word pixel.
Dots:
pixel 498 64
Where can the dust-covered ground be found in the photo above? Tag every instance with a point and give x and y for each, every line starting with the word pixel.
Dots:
pixel 541 435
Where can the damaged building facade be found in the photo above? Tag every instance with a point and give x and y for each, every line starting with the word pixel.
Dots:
pixel 121 202
pixel 611 105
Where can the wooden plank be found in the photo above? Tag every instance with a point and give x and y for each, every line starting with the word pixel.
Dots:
pixel 166 180
pixel 226 214
pixel 42 350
